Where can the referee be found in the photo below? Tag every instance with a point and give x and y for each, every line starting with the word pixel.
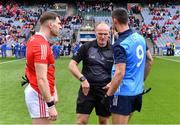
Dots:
pixel 97 58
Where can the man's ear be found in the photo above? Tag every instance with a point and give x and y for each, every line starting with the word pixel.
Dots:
pixel 114 21
pixel 50 24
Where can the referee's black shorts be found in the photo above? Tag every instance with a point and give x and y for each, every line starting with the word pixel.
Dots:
pixel 85 104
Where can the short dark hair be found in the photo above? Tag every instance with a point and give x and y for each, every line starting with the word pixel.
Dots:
pixel 121 15
pixel 47 16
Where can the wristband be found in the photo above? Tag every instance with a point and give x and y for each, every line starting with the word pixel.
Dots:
pixel 49 104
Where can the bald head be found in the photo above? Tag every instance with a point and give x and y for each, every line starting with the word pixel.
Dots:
pixel 102 26
pixel 102 34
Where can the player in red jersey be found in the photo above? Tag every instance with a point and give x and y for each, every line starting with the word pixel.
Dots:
pixel 41 94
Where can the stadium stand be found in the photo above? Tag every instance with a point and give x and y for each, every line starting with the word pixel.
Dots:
pixel 157 23
pixel 162 24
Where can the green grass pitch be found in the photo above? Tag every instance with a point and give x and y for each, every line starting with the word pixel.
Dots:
pixel 160 106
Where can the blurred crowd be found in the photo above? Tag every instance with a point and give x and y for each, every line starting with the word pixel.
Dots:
pixel 96 6
pixel 17 24
pixel 155 29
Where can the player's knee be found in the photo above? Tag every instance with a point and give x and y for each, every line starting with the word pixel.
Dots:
pixel 104 121
pixel 82 121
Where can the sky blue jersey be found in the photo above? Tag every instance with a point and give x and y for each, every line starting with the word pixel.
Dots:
pixel 130 48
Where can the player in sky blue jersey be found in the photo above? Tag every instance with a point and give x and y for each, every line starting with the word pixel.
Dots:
pixel 132 63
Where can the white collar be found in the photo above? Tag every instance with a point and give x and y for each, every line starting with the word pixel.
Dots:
pixel 38 33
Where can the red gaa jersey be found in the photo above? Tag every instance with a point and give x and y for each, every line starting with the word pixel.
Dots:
pixel 39 51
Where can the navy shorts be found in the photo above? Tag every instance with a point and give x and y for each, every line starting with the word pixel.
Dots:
pixel 85 104
pixel 124 105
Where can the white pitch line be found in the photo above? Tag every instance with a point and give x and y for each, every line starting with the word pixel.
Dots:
pixel 10 61
pixel 168 59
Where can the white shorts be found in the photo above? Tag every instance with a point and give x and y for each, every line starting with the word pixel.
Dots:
pixel 37 107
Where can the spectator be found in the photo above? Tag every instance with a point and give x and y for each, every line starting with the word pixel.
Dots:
pixel 3 49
